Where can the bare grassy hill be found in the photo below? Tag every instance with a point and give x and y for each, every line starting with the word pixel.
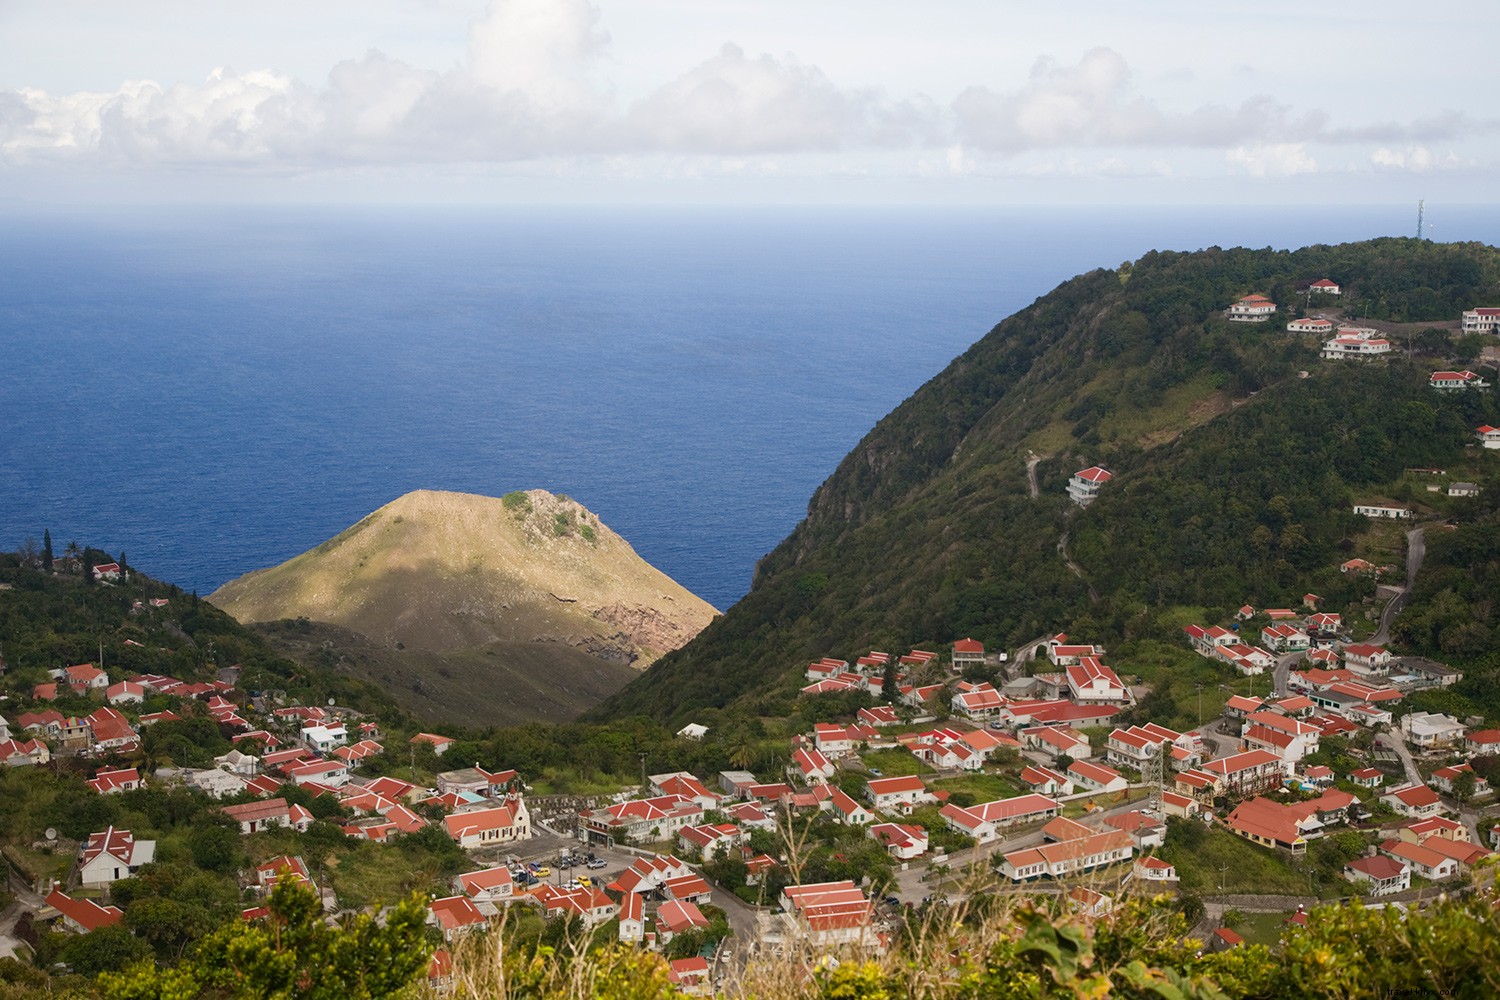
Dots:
pixel 455 573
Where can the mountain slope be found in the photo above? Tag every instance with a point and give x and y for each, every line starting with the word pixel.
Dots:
pixel 927 531
pixel 487 583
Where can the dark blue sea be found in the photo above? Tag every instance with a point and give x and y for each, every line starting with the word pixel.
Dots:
pixel 214 390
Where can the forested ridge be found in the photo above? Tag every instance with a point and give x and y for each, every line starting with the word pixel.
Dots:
pixel 1234 476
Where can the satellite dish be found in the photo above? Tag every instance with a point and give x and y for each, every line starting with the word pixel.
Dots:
pixel 50 833
pixel 330 702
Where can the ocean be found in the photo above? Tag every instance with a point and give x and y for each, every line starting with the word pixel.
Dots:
pixel 214 390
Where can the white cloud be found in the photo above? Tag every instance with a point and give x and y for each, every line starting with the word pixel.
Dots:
pixel 1275 160
pixel 532 88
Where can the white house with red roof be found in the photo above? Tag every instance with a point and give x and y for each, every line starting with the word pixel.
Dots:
pixel 329 773
pixel 1207 640
pixel 1083 487
pixel 455 916
pixel 1488 435
pixel 1310 325
pixel 82 678
pixel 1483 741
pixel 1356 342
pixel 690 976
pixel 1324 286
pixel 711 840
pixel 984 821
pixel 82 915
pixel 1382 873
pixel 847 810
pixel 112 855
pixel 1056 741
pixel 1456 381
pixel 1415 801
pixel 904 841
pixel 828 913
pixel 125 693
pixel 1421 859
pixel 1443 778
pixel 1045 781
pixel 126 779
pixel 1283 638
pixel 502 824
pixel 901 793
pixel 487 887
pixel 1082 850
pixel 1290 739
pixel 109 730
pixel 1367 659
pixel 880 715
pixel 1091 681
pixel 1485 319
pixel 439 744
pixel 970 652
pixel 1091 777
pixel 977 700
pixel 810 764
pixel 1251 309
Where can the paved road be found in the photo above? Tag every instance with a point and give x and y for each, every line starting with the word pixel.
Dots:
pixel 1416 551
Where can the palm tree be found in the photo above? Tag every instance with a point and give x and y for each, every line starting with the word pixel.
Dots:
pixel 744 756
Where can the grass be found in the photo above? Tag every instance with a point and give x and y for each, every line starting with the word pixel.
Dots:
pixel 1262 928
pixel 374 874
pixel 895 763
pixel 1246 867
pixel 984 787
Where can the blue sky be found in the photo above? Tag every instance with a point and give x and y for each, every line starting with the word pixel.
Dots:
pixel 863 101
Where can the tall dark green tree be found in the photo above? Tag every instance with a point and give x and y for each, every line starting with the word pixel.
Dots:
pixel 88 566
pixel 47 549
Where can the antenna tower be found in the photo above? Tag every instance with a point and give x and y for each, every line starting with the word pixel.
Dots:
pixel 1419 218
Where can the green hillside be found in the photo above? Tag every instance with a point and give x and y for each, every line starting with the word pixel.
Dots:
pixel 1234 475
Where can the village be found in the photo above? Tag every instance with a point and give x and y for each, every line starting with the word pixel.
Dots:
pixel 931 777
pixel 1022 783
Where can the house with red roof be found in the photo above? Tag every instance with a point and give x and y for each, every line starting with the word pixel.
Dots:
pixel 977 700
pixel 455 916
pixel 1416 801
pixel 1090 681
pixel 266 814
pixel 903 841
pixel 880 715
pixel 590 904
pixel 1080 850
pixel 676 917
pixel 1271 824
pixel 1253 308
pixel 690 976
pixel 502 824
pixel 1083 487
pixel 1382 873
pixel 1288 738
pixel 711 840
pixel 121 780
pixel 1154 870
pixel 828 913
pixel 1367 659
pixel 1283 638
pixel 810 765
pixel 125 693
pixel 82 915
pixel 1488 436
pixel 1091 777
pixel 1361 343
pixel 329 773
pixel 112 855
pixel 983 822
pixel 1324 286
pixel 901 793
pixel 970 652
pixel 1421 859
pixel 1310 325
pixel 1056 741
pixel 846 810
pixel 488 886
pixel 23 753
pixel 1456 381
pixel 83 678
pixel 1045 781
pixel 439 744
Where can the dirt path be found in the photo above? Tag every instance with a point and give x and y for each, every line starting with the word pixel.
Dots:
pixel 1031 463
pixel 1062 550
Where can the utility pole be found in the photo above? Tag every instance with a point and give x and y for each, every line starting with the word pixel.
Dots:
pixel 1419 218
pixel 1222 870
pixel 1199 688
pixel 643 772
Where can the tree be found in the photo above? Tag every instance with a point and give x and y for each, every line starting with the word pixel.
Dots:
pixel 47 550
pixel 293 953
pixel 1463 786
pixel 88 566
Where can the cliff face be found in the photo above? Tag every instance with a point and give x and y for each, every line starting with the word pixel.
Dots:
pixel 1236 452
pixel 451 571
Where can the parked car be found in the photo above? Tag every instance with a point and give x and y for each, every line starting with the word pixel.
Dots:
pixel 876 772
pixel 597 863
pixel 541 872
pixel 584 881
